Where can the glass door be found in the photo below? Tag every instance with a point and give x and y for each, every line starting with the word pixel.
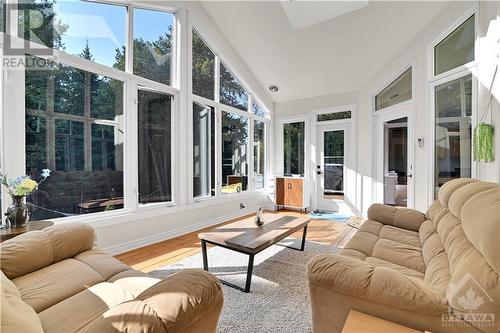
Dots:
pixel 331 170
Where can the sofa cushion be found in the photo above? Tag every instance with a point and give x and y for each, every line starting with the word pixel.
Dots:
pixel 405 270
pixel 400 235
pixel 101 262
pixel 399 254
pixel 33 250
pixel 16 316
pixel 73 314
pixel 52 284
pixel 135 282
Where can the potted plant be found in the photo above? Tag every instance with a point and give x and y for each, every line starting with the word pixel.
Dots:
pixel 19 188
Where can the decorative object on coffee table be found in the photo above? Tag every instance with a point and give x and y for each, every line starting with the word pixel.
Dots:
pixel 259 221
pixel 247 238
pixel 19 188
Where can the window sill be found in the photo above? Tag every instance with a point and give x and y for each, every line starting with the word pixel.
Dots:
pixel 108 219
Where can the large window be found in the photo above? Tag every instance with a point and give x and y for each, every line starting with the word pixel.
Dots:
pixel 203 68
pixel 453 110
pixel 398 91
pixel 456 49
pixel 259 153
pixel 293 148
pixel 74 126
pixel 234 153
pixel 153 40
pixel 203 150
pixel 232 92
pixel 155 127
pixel 90 30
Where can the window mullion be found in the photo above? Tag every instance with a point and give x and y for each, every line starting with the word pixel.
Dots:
pixel 131 157
pixel 129 48
pixel 217 79
pixel 250 154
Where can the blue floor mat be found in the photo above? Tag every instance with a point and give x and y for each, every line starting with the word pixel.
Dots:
pixel 338 217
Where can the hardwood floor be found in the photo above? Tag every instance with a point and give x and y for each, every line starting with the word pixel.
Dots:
pixel 164 253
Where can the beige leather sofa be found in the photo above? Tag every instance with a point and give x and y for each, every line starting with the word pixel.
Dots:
pixel 55 281
pixel 437 272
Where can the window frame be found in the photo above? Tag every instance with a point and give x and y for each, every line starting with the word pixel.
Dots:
pixel 182 98
pixel 219 108
pixel 450 75
pixel 430 51
pixel 15 139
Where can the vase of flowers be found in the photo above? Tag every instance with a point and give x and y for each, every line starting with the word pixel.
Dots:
pixel 19 188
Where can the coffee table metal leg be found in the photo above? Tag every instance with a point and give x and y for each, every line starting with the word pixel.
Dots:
pixel 304 233
pixel 249 273
pixel 204 254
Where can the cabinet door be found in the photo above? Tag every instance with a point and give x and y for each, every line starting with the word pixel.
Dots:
pixel 279 191
pixel 294 192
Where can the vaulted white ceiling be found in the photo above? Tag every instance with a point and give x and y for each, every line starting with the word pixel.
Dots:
pixel 326 52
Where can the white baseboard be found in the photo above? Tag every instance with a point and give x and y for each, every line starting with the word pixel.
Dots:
pixel 141 242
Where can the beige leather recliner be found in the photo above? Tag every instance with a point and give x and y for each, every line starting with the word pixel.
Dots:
pixel 55 281
pixel 437 271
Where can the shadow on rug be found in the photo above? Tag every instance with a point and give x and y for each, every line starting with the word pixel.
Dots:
pixel 279 298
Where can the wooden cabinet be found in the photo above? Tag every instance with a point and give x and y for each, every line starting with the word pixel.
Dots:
pixel 290 192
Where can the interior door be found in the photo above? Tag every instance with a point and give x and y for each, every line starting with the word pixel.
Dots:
pixel 331 169
pixel 394 160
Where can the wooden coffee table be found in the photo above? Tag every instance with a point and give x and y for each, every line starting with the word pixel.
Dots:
pixel 246 237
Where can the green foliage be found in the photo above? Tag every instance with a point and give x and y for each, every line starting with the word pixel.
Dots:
pixel 484 143
pixel 203 68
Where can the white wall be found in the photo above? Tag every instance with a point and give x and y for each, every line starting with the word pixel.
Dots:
pixel 415 54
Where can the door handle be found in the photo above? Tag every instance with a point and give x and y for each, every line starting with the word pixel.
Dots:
pixel 409 175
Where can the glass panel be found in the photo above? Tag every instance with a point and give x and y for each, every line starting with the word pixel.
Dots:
pixel 62 135
pixel 2 29
pixel 456 49
pixel 259 165
pixel 203 68
pixel 293 148
pixel 334 116
pixel 259 110
pixel 453 131
pixel 155 178
pixel 231 91
pixel 234 153
pixel 398 91
pixel 333 159
pixel 396 162
pixel 90 30
pixel 203 150
pixel 153 40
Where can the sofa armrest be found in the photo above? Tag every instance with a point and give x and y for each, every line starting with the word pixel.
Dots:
pixel 405 218
pixel 172 305
pixel 357 278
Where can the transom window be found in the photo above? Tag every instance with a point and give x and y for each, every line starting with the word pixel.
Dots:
pixel 456 49
pixel 397 91
pixel 334 116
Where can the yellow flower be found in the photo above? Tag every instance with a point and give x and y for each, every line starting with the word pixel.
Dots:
pixel 29 184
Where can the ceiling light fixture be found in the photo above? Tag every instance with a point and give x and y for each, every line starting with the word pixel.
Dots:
pixel 273 88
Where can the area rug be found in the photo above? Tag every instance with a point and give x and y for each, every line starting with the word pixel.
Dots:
pixel 279 298
pixel 324 215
